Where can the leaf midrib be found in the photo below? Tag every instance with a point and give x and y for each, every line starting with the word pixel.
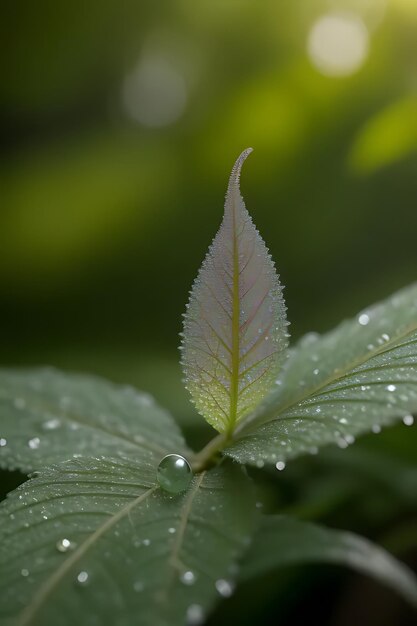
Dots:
pixel 246 427
pixel 44 592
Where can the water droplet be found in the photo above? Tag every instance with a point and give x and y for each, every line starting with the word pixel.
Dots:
pixel 34 443
pixel 3 442
pixel 363 319
pixel 343 420
pixel 195 615
pixel 260 463
pixel 280 465
pixel 224 587
pixel 188 577
pixel 408 420
pixel 172 530
pixel 174 473
pixel 391 387
pixel 385 337
pixel 24 572
pixel 51 424
pixel 63 545
pixel 82 578
pixel 376 428
pixel 316 371
pixel 146 542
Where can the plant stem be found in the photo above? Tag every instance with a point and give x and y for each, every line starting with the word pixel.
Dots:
pixel 206 455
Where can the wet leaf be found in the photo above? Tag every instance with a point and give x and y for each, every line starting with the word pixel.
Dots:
pixel 235 329
pixel 47 416
pixel 354 379
pixel 95 540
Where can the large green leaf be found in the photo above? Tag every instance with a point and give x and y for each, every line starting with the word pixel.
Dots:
pixel 355 379
pixel 283 541
pixel 95 541
pixel 47 417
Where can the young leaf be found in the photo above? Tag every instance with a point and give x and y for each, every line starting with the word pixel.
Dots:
pixel 283 541
pixel 358 377
pixel 96 538
pixel 235 328
pixel 47 416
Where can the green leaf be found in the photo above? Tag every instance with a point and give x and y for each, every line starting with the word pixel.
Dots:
pixel 358 377
pixel 283 541
pixel 47 417
pixel 235 329
pixel 95 540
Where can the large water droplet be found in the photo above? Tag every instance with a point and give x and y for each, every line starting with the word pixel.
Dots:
pixel 3 442
pixel 34 443
pixel 408 420
pixel 174 473
pixel 280 465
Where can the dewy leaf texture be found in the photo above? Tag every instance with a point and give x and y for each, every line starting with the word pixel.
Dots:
pixel 95 541
pixel 352 380
pixel 47 416
pixel 235 328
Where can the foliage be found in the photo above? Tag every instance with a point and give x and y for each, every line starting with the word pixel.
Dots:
pixel 93 537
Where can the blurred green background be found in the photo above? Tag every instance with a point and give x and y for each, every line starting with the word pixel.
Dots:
pixel 120 122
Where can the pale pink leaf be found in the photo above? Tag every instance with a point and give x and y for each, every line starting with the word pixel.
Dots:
pixel 235 328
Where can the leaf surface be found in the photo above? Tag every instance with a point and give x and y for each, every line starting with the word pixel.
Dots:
pixel 355 379
pixel 136 554
pixel 47 417
pixel 235 328
pixel 283 541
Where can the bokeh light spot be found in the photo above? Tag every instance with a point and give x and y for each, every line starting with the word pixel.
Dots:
pixel 338 44
pixel 155 93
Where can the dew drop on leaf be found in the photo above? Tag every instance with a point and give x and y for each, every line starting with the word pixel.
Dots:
pixel 34 443
pixel 188 577
pixel 363 319
pixel 280 465
pixel 224 587
pixel 51 424
pixel 174 473
pixel 408 420
pixel 63 545
pixel 3 442
pixel 82 578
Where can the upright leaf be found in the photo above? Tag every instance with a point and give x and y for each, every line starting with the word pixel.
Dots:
pixel 94 541
pixel 235 328
pixel 283 541
pixel 47 416
pixel 354 379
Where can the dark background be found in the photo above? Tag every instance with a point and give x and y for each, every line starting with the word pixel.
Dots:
pixel 119 124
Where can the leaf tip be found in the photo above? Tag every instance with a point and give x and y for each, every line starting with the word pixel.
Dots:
pixel 237 168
